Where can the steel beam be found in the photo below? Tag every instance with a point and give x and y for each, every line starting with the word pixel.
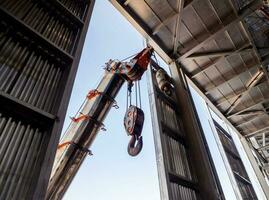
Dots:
pixel 222 54
pixel 252 6
pixel 262 61
pixel 156 16
pixel 224 82
pixel 251 83
pixel 223 100
pixel 205 67
pixel 172 16
pixel 226 26
pixel 164 22
pixel 188 3
pixel 245 144
pixel 208 39
pixel 263 139
pixel 251 120
pixel 144 30
pixel 127 2
pixel 263 147
pixel 252 112
pixel 261 180
pixel 157 129
pixel 177 27
pixel 194 136
pixel 248 108
pixel 266 166
pixel 222 152
pixel 167 56
pixel 258 132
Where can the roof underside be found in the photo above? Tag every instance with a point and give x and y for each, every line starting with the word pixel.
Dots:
pixel 223 47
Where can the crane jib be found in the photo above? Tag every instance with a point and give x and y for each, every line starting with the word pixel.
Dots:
pixel 84 127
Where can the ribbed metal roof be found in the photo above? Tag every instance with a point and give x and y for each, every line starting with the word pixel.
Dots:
pixel 223 48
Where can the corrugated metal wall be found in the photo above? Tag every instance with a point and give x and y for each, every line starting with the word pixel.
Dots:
pixel 20 155
pixel 237 166
pixel 177 174
pixel 40 46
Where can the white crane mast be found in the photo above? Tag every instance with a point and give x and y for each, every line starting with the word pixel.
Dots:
pixel 74 145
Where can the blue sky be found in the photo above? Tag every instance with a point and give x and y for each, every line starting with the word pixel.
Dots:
pixel 111 174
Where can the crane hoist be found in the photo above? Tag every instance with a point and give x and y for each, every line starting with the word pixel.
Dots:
pixel 75 143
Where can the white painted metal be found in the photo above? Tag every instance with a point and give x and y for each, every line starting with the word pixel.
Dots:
pixel 174 147
pixel 223 155
pixel 156 121
pixel 258 177
pixel 251 158
pixel 81 134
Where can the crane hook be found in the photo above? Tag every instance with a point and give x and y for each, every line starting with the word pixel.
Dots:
pixel 134 150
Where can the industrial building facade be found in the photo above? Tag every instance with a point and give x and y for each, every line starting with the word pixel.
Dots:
pixel 178 140
pixel 218 47
pixel 40 44
pixel 221 47
pixel 243 182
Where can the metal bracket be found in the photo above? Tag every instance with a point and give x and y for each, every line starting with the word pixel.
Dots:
pixel 95 92
pixel 83 149
pixel 103 128
pixel 88 117
pixel 115 105
pixel 100 124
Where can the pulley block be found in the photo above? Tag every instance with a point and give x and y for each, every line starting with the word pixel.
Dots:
pixel 164 82
pixel 133 123
pixel 134 120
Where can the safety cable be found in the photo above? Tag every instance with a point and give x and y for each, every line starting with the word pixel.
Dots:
pixel 136 93
pixel 130 95
pixel 127 98
pixel 139 92
pixel 128 57
pixel 156 60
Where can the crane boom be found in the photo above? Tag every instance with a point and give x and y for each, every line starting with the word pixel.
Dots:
pixel 78 138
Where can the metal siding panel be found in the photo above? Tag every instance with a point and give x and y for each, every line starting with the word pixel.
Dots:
pixel 236 164
pixel 176 173
pixel 40 45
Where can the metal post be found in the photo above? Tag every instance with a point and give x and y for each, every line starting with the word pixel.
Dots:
pixel 223 155
pixel 194 136
pixel 255 167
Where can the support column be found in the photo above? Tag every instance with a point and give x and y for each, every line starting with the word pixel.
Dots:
pixel 256 169
pixel 223 155
pixel 203 166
